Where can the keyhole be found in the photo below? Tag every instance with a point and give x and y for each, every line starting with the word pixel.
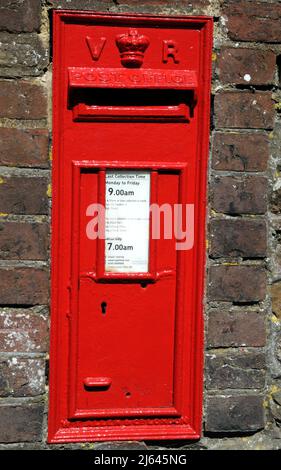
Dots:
pixel 103 307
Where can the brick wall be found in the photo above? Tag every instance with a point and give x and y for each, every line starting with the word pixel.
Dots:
pixel 243 296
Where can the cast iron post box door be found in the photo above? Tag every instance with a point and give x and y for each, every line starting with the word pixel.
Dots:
pixel 131 124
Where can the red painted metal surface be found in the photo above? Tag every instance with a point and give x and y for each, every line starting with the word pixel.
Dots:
pixel 97 382
pixel 82 112
pixel 131 92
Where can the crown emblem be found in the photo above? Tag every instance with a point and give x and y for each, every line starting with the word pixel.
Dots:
pixel 132 47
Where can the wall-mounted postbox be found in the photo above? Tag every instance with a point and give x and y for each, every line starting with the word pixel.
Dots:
pixel 131 125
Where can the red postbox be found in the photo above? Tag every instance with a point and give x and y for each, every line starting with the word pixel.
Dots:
pixel 131 126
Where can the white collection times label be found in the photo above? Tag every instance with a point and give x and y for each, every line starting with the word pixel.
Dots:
pixel 127 221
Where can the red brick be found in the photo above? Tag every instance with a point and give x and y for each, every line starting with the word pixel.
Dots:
pixel 246 66
pixel 234 329
pixel 232 414
pixel 23 330
pixel 22 100
pixel 20 16
pixel 24 147
pixel 28 286
pixel 23 195
pixel 237 283
pixel 22 423
pixel 234 151
pixel 243 109
pixel 21 377
pixel 253 21
pixel 244 195
pixel 244 238
pixel 23 240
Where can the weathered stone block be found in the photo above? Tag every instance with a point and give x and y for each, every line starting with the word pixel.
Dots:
pixel 24 147
pixel 23 195
pixel 23 240
pixel 21 377
pixel 244 238
pixel 234 151
pixel 20 15
pixel 23 331
pixel 233 329
pixel 243 66
pixel 234 414
pixel 235 370
pixel 237 283
pixel 253 21
pixel 24 286
pixel 243 109
pixel 22 55
pixel 239 195
pixel 22 100
pixel 21 423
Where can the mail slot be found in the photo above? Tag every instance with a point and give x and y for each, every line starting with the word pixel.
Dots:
pixel 130 131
